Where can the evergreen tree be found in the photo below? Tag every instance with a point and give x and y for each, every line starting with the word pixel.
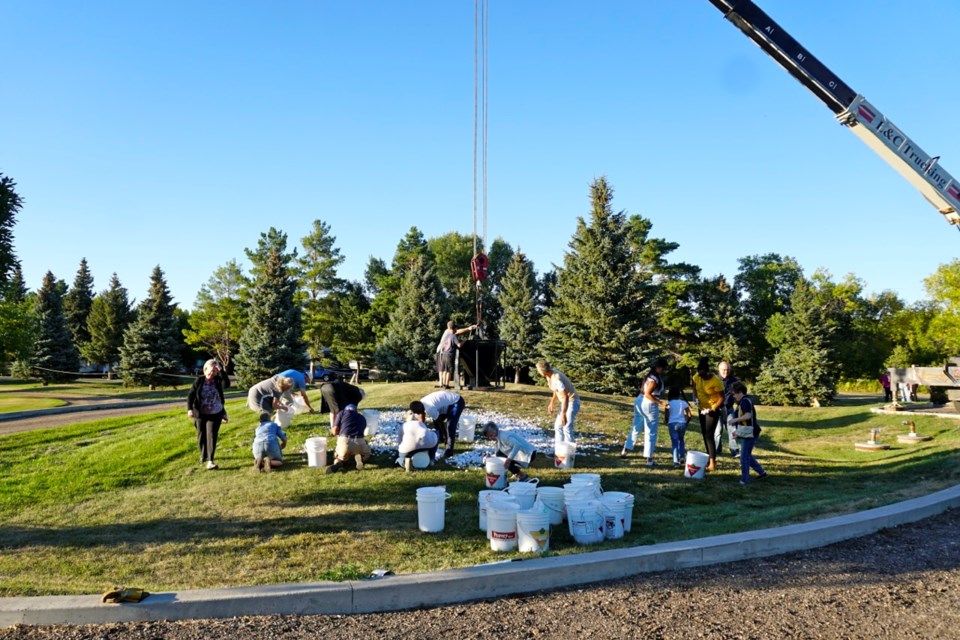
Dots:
pixel 77 304
pixel 520 321
pixel 801 372
pixel 110 315
pixel 16 289
pixel 273 338
pixel 354 338
pixel 150 354
pixel 319 284
pixel 219 313
pixel 54 357
pixel 718 337
pixel 410 343
pixel 599 328
pixel 10 205
pixel 384 283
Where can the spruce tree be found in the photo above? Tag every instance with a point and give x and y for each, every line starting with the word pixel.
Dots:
pixel 599 327
pixel 319 284
pixel 54 356
pixel 10 205
pixel 520 321
pixel 150 354
pixel 110 315
pixel 77 304
pixel 416 324
pixel 273 338
pixel 801 372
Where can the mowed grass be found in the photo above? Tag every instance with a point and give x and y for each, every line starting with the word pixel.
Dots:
pixel 125 501
pixel 9 404
pixel 93 387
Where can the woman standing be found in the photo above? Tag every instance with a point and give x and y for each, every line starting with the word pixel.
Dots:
pixel 709 390
pixel 205 406
pixel 646 412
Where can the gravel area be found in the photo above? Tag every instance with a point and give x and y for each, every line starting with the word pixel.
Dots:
pixel 898 583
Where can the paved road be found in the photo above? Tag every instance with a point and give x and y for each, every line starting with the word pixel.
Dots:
pixel 83 413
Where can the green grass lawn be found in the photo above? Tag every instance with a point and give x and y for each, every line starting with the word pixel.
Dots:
pixel 10 404
pixel 91 387
pixel 124 501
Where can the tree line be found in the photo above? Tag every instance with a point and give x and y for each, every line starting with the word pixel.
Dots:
pixel 615 304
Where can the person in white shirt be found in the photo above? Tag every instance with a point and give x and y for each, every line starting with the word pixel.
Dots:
pixel 518 452
pixel 444 409
pixel 416 437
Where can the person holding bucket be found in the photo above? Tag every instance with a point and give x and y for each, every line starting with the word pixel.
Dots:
pixel 747 431
pixel 564 392
pixel 510 445
pixel 205 407
pixel 271 389
pixel 444 409
pixel 416 438
pixel 709 390
pixel 299 386
pixel 646 412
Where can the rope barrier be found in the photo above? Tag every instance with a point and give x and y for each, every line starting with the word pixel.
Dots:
pixel 79 374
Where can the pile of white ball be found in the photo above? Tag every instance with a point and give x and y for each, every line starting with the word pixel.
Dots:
pixel 471 455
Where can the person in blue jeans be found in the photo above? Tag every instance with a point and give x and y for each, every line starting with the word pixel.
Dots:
pixel 678 417
pixel 268 440
pixel 745 421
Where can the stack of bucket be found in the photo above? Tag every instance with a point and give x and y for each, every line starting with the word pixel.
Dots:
pixel 552 500
pixel 431 505
pixel 373 422
pixel 525 493
pixel 618 506
pixel 316 449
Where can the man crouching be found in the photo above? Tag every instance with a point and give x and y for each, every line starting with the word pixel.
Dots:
pixel 349 426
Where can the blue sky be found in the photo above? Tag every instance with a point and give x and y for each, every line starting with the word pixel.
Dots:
pixel 174 133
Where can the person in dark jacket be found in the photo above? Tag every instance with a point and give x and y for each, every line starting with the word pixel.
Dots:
pixel 205 407
pixel 337 394
pixel 349 427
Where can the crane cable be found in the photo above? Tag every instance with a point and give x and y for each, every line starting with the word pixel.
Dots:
pixel 480 104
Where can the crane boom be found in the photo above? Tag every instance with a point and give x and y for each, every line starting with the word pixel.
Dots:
pixel 852 109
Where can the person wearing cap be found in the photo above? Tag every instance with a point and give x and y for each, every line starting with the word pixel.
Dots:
pixel 268 440
pixel 299 386
pixel 336 394
pixel 416 437
pixel 349 426
pixel 510 445
pixel 444 409
pixel 272 388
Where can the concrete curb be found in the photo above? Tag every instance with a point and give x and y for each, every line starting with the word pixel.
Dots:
pixel 472 583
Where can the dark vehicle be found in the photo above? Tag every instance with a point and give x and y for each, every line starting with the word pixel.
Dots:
pixel 329 368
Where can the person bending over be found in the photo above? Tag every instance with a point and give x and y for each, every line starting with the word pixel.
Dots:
pixel 518 452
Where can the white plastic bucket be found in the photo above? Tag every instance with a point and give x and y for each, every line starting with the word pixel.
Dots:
pixel 524 493
pixel 585 521
pixel 552 499
pixel 431 502
pixel 613 517
pixel 502 525
pixel 696 465
pixel 483 500
pixel 420 460
pixel 466 428
pixel 581 491
pixel 316 449
pixel 496 474
pixel 533 531
pixel 299 405
pixel 283 418
pixel 373 422
pixel 585 478
pixel 564 454
pixel 627 500
pixel 493 499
